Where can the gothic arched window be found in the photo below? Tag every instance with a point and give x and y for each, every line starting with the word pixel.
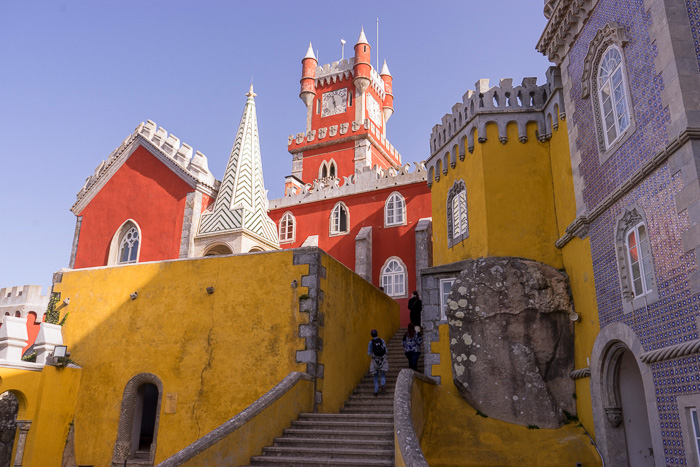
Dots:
pixel 612 95
pixel 126 244
pixel 395 210
pixel 287 228
pixel 340 220
pixel 457 218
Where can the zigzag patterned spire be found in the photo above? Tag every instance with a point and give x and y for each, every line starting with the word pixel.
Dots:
pixel 242 199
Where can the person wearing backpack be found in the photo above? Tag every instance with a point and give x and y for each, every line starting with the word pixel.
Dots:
pixel 412 342
pixel 379 364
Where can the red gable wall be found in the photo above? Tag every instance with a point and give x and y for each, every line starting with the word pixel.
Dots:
pixel 145 190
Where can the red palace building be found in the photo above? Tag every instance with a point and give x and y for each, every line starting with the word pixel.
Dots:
pixel 349 192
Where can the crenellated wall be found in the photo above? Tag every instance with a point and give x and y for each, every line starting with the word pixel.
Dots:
pixel 499 105
pixel 168 148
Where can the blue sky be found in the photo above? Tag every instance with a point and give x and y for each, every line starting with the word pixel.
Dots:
pixel 78 77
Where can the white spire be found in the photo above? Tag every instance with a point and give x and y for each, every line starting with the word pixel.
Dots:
pixel 310 52
pixel 362 39
pixel 241 204
pixel 385 70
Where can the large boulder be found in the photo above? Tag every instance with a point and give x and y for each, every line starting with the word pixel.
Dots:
pixel 512 340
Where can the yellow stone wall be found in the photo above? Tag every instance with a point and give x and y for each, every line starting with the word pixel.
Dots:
pixel 520 200
pixel 47 399
pixel 351 308
pixel 215 353
pixel 509 201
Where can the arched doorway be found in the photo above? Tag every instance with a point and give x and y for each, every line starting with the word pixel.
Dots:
pixel 622 418
pixel 144 423
pixel 138 424
pixel 9 406
pixel 218 250
pixel 635 419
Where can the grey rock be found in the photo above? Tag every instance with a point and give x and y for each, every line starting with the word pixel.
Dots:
pixel 511 340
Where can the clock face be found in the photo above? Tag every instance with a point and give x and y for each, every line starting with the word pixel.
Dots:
pixel 334 102
pixel 373 110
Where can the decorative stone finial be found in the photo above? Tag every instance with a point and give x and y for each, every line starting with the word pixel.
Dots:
pixel 310 52
pixel 362 39
pixel 250 93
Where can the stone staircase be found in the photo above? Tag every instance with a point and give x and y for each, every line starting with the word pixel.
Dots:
pixel 361 435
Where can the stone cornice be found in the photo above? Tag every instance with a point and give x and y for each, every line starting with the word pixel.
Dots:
pixel 566 20
pixel 579 227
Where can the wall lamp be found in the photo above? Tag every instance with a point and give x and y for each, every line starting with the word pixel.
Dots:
pixel 210 290
pixel 134 295
pixel 294 284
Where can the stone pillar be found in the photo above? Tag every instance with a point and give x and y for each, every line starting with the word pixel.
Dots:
pixel 13 338
pixel 190 222
pixel 363 253
pixel 46 341
pixel 23 426
pixel 424 249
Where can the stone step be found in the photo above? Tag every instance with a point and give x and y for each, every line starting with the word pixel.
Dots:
pixel 270 461
pixel 322 442
pixel 339 434
pixel 339 417
pixel 333 425
pixel 330 453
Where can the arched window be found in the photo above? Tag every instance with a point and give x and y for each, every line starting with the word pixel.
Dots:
pixel 393 277
pixel 129 247
pixel 395 210
pixel 457 218
pixel 287 228
pixel 324 170
pixel 340 220
pixel 217 250
pixel 612 95
pixel 126 244
pixel 635 261
pixel 327 169
pixel 332 170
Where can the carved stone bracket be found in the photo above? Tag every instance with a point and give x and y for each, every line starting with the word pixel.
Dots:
pixel 614 416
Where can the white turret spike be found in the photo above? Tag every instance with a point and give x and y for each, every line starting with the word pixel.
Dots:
pixel 385 70
pixel 310 52
pixel 362 39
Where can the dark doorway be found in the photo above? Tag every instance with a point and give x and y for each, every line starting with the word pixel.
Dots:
pixel 9 406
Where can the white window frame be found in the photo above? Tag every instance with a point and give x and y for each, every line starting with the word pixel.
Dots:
pixel 457 214
pixel 331 169
pixel 630 221
pixel 388 280
pixel 443 297
pixel 390 217
pixel 284 227
pixel 642 261
pixel 115 247
pixel 618 97
pixel 334 221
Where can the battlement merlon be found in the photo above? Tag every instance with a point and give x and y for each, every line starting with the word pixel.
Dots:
pixel 168 148
pixel 500 104
pixel 344 69
pixel 368 179
pixel 23 299
pixel 349 131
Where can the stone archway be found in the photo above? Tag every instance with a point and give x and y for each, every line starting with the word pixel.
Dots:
pixel 138 421
pixel 622 391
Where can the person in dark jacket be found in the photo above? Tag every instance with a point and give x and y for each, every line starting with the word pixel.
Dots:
pixel 415 306
pixel 412 342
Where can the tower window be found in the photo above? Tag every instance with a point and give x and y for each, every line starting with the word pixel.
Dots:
pixel 395 210
pixel 457 218
pixel 350 98
pixel 612 94
pixel 318 106
pixel 287 228
pixel 126 244
pixel 339 220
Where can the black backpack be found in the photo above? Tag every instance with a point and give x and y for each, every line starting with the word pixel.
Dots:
pixel 378 348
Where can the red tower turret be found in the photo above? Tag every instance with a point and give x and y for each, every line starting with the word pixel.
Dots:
pixel 388 104
pixel 362 70
pixel 308 83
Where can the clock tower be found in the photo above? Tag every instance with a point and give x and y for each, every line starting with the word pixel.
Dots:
pixel 348 104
